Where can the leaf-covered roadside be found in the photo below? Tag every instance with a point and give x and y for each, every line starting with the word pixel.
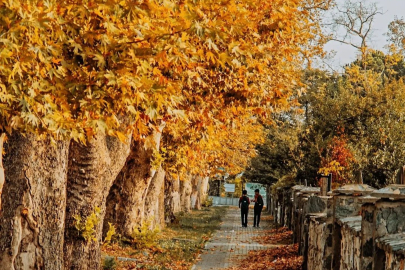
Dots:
pixel 282 257
pixel 176 247
pixel 275 236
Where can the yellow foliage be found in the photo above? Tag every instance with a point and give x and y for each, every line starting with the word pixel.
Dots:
pixel 333 166
pixel 88 227
pixel 144 236
pixel 110 234
pixel 213 70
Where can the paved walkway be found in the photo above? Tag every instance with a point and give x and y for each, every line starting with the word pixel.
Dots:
pixel 230 242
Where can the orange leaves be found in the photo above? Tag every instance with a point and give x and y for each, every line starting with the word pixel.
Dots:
pixel 213 70
pixel 339 160
pixel 278 258
pixel 275 236
pixel 210 57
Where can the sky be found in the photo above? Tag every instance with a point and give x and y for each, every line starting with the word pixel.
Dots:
pixel 345 53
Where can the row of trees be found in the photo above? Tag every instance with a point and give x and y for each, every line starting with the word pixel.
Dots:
pixel 347 124
pixel 106 105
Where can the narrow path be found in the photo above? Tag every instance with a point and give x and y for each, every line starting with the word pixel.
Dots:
pixel 231 242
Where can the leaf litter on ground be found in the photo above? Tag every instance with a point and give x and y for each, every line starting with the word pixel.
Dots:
pixel 275 236
pixel 282 257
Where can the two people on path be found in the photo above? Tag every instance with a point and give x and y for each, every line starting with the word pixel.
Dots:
pixel 244 203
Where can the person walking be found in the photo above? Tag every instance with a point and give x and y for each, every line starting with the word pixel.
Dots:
pixel 258 200
pixel 244 203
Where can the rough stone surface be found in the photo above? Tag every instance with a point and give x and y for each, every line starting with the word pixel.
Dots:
pixel 391 191
pixel 316 205
pixel 318 244
pixel 354 189
pixel 350 256
pixel 355 228
pixel 367 231
pixel 394 247
pixel 390 217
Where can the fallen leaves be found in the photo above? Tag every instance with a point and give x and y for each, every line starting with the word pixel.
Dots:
pixel 280 235
pixel 280 258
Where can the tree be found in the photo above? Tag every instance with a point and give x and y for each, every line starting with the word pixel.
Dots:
pixel 87 76
pixel 279 155
pixel 356 19
pixel 396 33
pixel 362 106
pixel 234 83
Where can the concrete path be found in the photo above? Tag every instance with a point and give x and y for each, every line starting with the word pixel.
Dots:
pixel 231 242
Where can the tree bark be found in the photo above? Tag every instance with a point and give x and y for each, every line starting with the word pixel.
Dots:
pixel 185 195
pixel 126 199
pixel 154 193
pixel 161 206
pixel 2 177
pixel 172 198
pixel 203 186
pixel 92 170
pixel 194 199
pixel 33 200
pixel 199 191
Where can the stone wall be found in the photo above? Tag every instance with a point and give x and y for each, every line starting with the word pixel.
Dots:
pixel 354 227
pixel 350 243
pixel 318 242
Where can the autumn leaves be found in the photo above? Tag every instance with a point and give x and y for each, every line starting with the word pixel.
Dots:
pixel 204 75
pixel 206 68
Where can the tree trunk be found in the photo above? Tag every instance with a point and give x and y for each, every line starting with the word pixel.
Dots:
pixel 185 193
pixel 33 200
pixel 151 210
pixel 199 191
pixel 2 177
pixel 92 170
pixel 203 186
pixel 172 198
pixel 194 199
pixel 126 199
pixel 161 206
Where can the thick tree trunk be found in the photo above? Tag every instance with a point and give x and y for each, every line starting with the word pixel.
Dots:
pixel 185 195
pixel 33 204
pixel 127 196
pixel 125 202
pixel 199 191
pixel 172 198
pixel 92 170
pixel 154 193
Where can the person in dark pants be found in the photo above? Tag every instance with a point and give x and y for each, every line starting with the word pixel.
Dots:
pixel 244 207
pixel 258 200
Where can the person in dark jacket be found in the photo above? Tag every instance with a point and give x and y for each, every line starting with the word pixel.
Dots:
pixel 258 200
pixel 244 203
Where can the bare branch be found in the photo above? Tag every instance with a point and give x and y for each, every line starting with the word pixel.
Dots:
pixel 345 42
pixel 357 21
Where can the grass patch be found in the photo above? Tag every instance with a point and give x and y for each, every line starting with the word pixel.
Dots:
pixel 178 245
